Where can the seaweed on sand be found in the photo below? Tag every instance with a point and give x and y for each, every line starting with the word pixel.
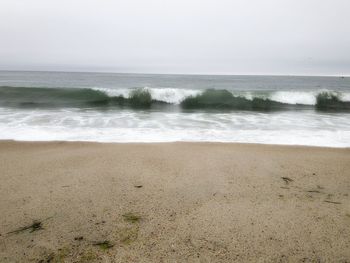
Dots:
pixel 332 202
pixel 35 226
pixel 131 217
pixel 103 244
pixel 287 180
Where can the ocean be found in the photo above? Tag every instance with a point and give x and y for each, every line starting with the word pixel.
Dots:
pixel 110 107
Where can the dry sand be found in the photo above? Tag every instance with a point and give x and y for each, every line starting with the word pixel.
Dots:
pixel 196 202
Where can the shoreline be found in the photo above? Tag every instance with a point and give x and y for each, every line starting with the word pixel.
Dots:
pixel 175 142
pixel 178 201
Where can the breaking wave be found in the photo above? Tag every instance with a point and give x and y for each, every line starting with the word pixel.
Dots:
pixel 37 97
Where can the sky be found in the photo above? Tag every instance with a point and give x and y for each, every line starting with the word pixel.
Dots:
pixel 278 37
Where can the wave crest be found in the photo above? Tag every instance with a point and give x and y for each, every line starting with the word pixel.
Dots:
pixel 223 99
pixel 186 99
pixel 330 101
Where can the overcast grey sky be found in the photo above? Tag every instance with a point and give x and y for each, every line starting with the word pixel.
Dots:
pixel 308 37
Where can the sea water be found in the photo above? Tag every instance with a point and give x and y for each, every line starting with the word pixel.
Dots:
pixel 110 107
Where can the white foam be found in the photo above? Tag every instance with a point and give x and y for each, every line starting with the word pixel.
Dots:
pixel 345 96
pixel 114 92
pixel 175 96
pixel 169 95
pixel 296 128
pixel 294 97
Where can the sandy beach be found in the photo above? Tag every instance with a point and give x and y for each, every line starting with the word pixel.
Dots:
pixel 173 202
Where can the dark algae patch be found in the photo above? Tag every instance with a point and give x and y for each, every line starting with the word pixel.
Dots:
pixel 332 202
pixel 35 226
pixel 287 180
pixel 48 259
pixel 132 217
pixel 313 191
pixel 103 244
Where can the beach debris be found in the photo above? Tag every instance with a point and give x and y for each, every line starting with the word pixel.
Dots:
pixel 49 259
pixel 138 186
pixel 132 217
pixel 287 180
pixel 103 244
pixel 313 191
pixel 35 226
pixel 332 202
pixel 79 238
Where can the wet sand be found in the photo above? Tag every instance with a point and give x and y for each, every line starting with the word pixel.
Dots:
pixel 173 202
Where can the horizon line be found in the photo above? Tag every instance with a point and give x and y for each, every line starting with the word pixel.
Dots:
pixel 189 74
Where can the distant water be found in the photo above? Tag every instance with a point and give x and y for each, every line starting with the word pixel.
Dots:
pixel 108 107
